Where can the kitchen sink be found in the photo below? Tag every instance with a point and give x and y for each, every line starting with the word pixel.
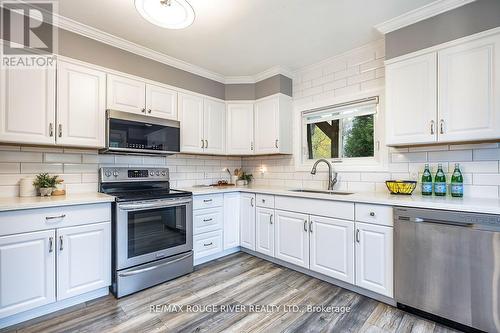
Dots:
pixel 322 192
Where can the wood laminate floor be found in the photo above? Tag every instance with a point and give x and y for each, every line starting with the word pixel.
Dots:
pixel 237 280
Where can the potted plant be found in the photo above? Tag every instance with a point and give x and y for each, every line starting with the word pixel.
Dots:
pixel 46 183
pixel 244 178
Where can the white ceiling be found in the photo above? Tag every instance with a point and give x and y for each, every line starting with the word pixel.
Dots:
pixel 246 37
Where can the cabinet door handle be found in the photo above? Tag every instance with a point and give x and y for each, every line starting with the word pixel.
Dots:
pixel 206 143
pixel 202 144
pixel 276 143
pixel 311 226
pixel 271 219
pixel 149 110
pixel 143 110
pixel 211 243
pixel 251 202
pixel 51 244
pixel 432 126
pixel 357 236
pixel 441 126
pixel 251 145
pixel 47 218
pixel 61 243
pixel 51 129
pixel 60 130
pixel 207 220
pixel 305 225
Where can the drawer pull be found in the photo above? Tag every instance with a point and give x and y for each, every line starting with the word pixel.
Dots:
pixel 211 243
pixel 208 220
pixel 55 217
pixel 263 200
pixel 51 244
pixel 208 200
pixel 372 214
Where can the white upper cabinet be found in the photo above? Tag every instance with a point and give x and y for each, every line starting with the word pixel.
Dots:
pixel 449 95
pixel 81 105
pixel 161 102
pixel 374 258
pixel 240 129
pixel 332 247
pixel 273 125
pixel 469 95
pixel 411 101
pixel 83 259
pixel 291 242
pixel 191 119
pixel 126 94
pixel 247 220
pixel 27 105
pixel 214 127
pixel 27 271
pixel 264 231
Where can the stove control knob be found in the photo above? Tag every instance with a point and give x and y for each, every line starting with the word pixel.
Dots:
pixel 107 173
pixel 152 173
pixel 163 173
pixel 157 173
pixel 115 173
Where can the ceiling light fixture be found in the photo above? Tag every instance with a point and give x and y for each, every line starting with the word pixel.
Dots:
pixel 170 14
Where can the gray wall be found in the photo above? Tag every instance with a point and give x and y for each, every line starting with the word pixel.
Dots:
pixel 472 18
pixel 270 86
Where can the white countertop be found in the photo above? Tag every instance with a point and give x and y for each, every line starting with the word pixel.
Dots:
pixel 17 203
pixel 466 204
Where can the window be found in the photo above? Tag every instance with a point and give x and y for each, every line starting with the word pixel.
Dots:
pixel 341 131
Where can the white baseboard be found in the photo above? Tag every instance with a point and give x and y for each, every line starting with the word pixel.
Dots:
pixel 216 256
pixel 52 307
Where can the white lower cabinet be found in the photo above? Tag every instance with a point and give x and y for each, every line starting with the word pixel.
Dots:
pixel 264 231
pixel 83 259
pixel 247 221
pixel 54 254
pixel 231 220
pixel 332 247
pixel 207 244
pixel 205 220
pixel 292 238
pixel 27 271
pixel 374 258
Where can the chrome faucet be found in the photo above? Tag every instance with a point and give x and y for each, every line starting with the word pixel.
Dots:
pixel 332 175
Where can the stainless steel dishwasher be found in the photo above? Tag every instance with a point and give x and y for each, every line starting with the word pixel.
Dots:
pixel 447 264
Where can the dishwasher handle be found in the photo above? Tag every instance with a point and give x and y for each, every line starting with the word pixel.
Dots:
pixel 432 221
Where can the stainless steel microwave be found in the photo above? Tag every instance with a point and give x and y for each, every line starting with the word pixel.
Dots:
pixel 129 133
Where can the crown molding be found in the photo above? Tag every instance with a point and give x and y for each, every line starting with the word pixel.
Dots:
pixel 107 38
pixel 420 14
pixel 251 79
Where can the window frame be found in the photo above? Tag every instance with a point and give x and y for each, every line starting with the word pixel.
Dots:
pixel 379 162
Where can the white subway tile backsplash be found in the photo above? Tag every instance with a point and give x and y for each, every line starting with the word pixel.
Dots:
pixel 409 157
pixel 80 168
pixel 481 191
pixel 10 167
pixel 20 156
pixel 451 155
pixel 126 159
pixel 62 158
pixel 486 154
pixel 486 179
pixel 53 168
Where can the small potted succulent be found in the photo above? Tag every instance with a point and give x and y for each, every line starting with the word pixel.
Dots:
pixel 243 178
pixel 46 183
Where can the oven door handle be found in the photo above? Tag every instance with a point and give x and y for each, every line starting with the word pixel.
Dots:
pixel 144 206
pixel 147 269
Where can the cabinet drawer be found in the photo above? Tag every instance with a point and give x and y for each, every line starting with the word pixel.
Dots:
pixel 327 208
pixel 375 214
pixel 207 244
pixel 208 201
pixel 27 220
pixel 206 220
pixel 265 200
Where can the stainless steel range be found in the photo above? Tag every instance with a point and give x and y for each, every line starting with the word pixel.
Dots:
pixel 152 228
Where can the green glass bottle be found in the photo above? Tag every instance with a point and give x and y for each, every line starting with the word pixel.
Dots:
pixel 427 181
pixel 457 183
pixel 440 182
